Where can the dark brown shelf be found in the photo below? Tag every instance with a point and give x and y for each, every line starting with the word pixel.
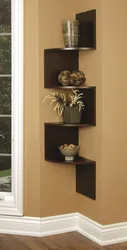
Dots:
pixel 73 87
pixel 78 161
pixel 59 133
pixel 68 124
pixel 77 49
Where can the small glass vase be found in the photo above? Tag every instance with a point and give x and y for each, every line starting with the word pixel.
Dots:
pixel 70 33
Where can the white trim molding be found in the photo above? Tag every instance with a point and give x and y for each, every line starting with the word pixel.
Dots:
pixel 32 226
pixel 17 104
pixel 12 203
pixel 101 234
pixel 58 224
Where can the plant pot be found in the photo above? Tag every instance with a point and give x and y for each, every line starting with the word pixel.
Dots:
pixel 71 115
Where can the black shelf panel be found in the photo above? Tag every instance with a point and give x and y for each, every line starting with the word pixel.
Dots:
pixel 87 28
pixel 86 179
pixel 68 124
pixel 57 60
pixel 77 161
pixel 70 49
pixel 56 136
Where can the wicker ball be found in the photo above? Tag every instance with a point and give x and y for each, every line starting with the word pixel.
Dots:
pixel 74 78
pixel 63 77
pixel 77 78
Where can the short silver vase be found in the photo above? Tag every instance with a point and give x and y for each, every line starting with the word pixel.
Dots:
pixel 70 33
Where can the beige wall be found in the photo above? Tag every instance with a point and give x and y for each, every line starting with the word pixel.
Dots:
pixel 50 188
pixel 114 112
pixel 31 121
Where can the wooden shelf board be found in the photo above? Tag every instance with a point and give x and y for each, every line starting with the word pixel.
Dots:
pixel 68 124
pixel 70 49
pixel 78 160
pixel 73 87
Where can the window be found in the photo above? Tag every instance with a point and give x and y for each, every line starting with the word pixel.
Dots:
pixel 5 96
pixel 11 106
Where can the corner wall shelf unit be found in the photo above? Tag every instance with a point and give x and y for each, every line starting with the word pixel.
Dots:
pixel 58 133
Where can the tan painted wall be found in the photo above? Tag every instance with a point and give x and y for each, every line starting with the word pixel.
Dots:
pixel 50 188
pixel 115 112
pixel 31 121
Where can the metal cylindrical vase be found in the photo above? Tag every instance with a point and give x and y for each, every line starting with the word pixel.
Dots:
pixel 70 33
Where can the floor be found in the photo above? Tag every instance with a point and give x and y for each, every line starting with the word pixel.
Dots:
pixel 68 241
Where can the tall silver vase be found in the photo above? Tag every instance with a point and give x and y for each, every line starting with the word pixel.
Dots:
pixel 70 33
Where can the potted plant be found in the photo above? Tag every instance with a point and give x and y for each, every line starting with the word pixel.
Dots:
pixel 69 107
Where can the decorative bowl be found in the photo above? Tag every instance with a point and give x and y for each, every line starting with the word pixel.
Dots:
pixel 69 151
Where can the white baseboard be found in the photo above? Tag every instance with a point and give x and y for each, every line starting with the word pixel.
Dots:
pixel 89 228
pixel 20 225
pixel 38 226
pixel 59 224
pixel 101 234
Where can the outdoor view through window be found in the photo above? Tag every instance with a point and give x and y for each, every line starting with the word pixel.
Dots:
pixel 5 95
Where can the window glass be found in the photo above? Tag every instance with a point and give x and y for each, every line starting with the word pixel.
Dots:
pixel 5 95
pixel 5 16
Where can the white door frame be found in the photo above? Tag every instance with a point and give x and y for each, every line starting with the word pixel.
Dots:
pixel 12 203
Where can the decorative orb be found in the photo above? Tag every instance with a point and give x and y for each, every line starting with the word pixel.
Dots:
pixel 63 77
pixel 77 78
pixel 74 78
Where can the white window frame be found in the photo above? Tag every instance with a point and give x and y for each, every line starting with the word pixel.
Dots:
pixel 12 203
